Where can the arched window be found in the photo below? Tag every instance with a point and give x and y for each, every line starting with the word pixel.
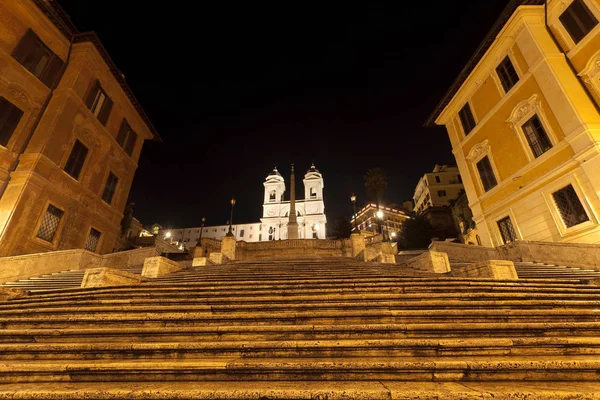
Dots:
pixel 272 195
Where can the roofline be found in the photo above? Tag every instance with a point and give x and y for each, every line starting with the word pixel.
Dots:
pixel 477 56
pixel 57 15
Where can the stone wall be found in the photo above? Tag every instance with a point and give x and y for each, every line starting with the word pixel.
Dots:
pixel 293 248
pixel 26 266
pixel 572 254
pixel 463 252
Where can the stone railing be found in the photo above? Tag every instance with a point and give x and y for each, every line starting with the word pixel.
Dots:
pixel 293 248
pixel 464 252
pixel 571 254
pixel 29 265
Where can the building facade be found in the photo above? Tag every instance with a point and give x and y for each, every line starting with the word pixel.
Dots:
pixel 524 123
pixel 371 220
pixel 71 133
pixel 437 188
pixel 312 222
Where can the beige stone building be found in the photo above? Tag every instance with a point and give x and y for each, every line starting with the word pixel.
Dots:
pixel 71 133
pixel 523 118
pixel 437 188
pixel 371 219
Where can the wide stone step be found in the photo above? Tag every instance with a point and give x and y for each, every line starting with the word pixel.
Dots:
pixel 240 306
pixel 552 346
pixel 304 317
pixel 463 369
pixel 307 390
pixel 302 332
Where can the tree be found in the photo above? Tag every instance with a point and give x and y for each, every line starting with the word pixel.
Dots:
pixel 376 184
pixel 340 229
pixel 416 233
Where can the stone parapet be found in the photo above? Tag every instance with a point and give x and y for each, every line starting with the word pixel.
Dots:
pixel 580 255
pixel 12 294
pixel 155 267
pixel 100 277
pixel 431 261
pixel 463 252
pixel 358 244
pixel 200 261
pixel 228 247
pixel 493 269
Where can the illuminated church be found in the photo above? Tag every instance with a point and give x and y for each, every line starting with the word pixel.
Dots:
pixel 273 224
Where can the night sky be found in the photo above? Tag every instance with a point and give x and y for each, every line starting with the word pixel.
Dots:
pixel 237 89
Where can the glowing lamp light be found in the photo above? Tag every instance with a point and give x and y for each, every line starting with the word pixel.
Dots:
pixel 168 234
pixel 393 234
pixel 380 214
pixel 316 227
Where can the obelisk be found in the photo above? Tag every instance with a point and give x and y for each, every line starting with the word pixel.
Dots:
pixel 293 222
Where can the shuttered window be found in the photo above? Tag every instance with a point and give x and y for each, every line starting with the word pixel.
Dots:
pixel 126 137
pixel 110 188
pixel 50 223
pixel 536 136
pixel 507 74
pixel 99 103
pixel 486 173
pixel 578 20
pixel 10 115
pixel 38 59
pixel 570 208
pixel 466 118
pixel 76 159
pixel 507 230
pixel 92 240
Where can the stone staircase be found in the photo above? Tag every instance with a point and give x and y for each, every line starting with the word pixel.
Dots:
pixel 304 329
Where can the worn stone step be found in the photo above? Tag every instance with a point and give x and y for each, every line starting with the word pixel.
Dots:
pixel 463 369
pixel 302 332
pixel 426 347
pixel 307 390
pixel 304 317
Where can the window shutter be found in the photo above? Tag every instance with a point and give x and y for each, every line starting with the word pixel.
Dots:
pixel 130 142
pixel 25 46
pixel 50 74
pixel 122 133
pixel 105 112
pixel 89 101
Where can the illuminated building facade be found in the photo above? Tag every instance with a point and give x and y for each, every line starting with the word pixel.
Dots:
pixel 71 133
pixel 524 124
pixel 371 219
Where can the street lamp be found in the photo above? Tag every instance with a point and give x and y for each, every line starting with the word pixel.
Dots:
pixel 380 216
pixel 201 229
pixel 353 200
pixel 168 235
pixel 230 233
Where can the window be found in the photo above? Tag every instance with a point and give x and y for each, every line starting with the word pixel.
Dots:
pixel 536 136
pixel 126 137
pixel 50 223
pixel 486 173
pixel 242 233
pixel 92 240
pixel 578 20
pixel 507 74
pixel 272 195
pixel 76 159
pixel 441 193
pixel 570 208
pixel 315 236
pixel 506 230
pixel 437 179
pixel 38 59
pixel 466 119
pixel 10 115
pixel 313 193
pixel 110 188
pixel 99 103
pixel 250 236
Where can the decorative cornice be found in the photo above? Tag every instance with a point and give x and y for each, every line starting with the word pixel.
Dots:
pixel 478 150
pixel 523 110
pixel 593 66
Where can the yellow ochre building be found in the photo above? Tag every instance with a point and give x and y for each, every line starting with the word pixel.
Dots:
pixel 523 119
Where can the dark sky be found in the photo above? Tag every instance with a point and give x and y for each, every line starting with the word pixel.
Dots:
pixel 236 89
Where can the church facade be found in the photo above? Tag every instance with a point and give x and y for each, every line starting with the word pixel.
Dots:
pixel 273 225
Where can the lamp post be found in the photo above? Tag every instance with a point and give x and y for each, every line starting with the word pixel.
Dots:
pixel 230 233
pixel 380 218
pixel 353 200
pixel 201 229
